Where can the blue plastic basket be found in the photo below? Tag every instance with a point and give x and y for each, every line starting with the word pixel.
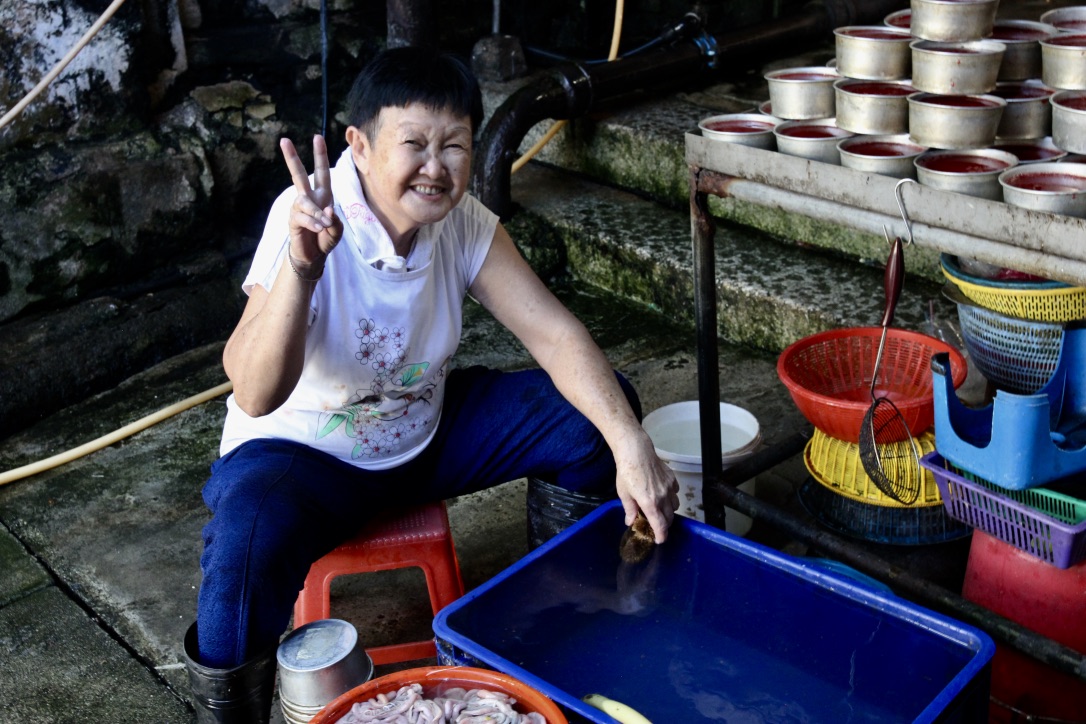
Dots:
pixel 1018 441
pixel 913 526
pixel 1016 355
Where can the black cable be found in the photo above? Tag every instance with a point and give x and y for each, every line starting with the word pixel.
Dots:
pixel 689 23
pixel 324 68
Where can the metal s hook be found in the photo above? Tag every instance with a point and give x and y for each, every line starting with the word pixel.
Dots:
pixel 901 208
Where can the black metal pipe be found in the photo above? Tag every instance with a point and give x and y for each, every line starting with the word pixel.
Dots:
pixel 1018 637
pixel 565 92
pixel 570 90
pixel 703 231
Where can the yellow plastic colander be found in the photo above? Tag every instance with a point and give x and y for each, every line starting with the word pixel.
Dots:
pixel 1040 301
pixel 836 465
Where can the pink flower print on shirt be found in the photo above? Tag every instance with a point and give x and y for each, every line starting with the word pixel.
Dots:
pixel 366 328
pixel 382 364
pixel 385 415
pixel 394 434
pixel 365 354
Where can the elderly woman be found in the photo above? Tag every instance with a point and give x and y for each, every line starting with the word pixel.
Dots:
pixel 344 403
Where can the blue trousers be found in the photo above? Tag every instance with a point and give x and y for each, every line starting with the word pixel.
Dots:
pixel 277 506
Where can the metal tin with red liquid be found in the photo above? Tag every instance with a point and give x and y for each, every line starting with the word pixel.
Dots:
pixel 971 172
pixel 816 139
pixel 873 107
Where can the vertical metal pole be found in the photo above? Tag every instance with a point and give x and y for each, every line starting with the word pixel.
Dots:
pixel 703 231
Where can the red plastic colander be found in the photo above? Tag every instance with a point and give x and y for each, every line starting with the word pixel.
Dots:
pixel 829 377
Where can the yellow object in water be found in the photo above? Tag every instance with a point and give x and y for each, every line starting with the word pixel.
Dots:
pixel 615 709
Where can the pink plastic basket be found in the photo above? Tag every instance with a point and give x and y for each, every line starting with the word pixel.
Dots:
pixel 1043 523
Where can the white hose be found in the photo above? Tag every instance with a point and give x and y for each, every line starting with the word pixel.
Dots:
pixel 116 436
pixel 59 67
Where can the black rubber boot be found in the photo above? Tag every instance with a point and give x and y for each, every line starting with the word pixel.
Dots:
pixel 241 695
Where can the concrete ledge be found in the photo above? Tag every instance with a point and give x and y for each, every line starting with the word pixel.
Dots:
pixel 641 148
pixel 769 293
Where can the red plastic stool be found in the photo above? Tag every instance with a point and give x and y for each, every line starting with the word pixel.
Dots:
pixel 420 537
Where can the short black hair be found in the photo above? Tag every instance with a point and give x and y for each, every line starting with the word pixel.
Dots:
pixel 398 77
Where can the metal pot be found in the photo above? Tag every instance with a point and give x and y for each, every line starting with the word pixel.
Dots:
pixel 965 68
pixel 952 20
pixel 746 129
pixel 318 662
pixel 1058 188
pixel 1066 20
pixel 954 121
pixel 899 19
pixel 1069 120
pixel 802 93
pixel 970 172
pixel 890 155
pixel 873 52
pixel 1063 61
pixel 814 139
pixel 1028 113
pixel 873 107
pixel 1037 150
pixel 1022 59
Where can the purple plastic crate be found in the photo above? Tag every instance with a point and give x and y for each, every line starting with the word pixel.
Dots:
pixel 1025 519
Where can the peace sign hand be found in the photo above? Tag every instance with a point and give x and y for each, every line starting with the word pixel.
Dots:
pixel 314 227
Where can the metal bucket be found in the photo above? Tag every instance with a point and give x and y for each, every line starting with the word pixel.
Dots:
pixel 966 68
pixel 955 122
pixel 802 93
pixel 970 172
pixel 1063 61
pixel 952 20
pixel 873 52
pixel 816 139
pixel 1069 120
pixel 1066 20
pixel 1058 188
pixel 1036 150
pixel 1022 59
pixel 746 129
pixel 891 155
pixel 318 662
pixel 873 107
pixel 1028 113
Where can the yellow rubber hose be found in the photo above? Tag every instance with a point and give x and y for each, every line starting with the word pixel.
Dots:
pixel 116 436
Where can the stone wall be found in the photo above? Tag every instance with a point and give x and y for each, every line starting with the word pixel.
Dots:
pixel 143 173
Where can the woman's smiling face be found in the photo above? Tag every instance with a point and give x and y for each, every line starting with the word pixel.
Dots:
pixel 415 169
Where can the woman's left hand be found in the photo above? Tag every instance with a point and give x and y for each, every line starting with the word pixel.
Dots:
pixel 644 482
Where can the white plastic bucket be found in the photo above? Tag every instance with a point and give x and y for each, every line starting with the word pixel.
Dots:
pixel 675 431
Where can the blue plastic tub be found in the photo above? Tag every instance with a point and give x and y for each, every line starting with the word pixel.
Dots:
pixel 715 628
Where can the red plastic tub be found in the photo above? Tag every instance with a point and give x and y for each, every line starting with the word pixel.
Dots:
pixel 437 679
pixel 1045 599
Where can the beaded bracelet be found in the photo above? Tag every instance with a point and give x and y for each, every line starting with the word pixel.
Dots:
pixel 294 268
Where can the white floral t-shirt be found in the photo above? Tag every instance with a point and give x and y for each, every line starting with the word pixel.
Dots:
pixel 382 331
